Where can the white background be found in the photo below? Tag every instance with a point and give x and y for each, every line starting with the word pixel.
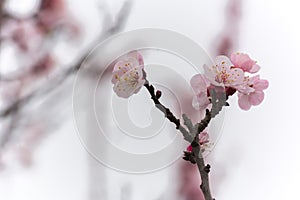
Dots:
pixel 257 156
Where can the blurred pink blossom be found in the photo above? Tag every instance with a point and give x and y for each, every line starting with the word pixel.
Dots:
pixel 190 182
pixel 24 33
pixel 244 62
pixel 200 84
pixel 9 90
pixel 43 66
pixel 54 14
pixel 31 137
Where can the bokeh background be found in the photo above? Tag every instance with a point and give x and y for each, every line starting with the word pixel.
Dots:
pixel 42 42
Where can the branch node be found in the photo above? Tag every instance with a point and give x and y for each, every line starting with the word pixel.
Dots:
pixel 207 168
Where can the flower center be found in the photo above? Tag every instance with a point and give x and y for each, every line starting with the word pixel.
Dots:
pixel 132 78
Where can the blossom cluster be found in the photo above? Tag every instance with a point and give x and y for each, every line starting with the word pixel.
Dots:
pixel 234 75
pixel 231 74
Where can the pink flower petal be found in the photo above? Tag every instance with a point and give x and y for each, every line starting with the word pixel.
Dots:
pixel 255 68
pixel 199 83
pixel 253 79
pixel 243 101
pixel 245 88
pixel 210 74
pixel 200 101
pixel 255 98
pixel 189 148
pixel 137 56
pixel 127 64
pixel 244 62
pixel 203 138
pixel 223 61
pixel 261 84
pixel 236 77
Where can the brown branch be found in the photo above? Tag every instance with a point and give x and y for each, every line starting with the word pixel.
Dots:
pixel 203 170
pixel 218 100
pixel 155 95
pixel 198 159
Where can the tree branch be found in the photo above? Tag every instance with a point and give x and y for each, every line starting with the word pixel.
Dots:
pixel 168 114
pixel 218 100
pixel 203 170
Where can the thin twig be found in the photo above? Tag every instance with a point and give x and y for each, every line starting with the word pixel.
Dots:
pixel 188 123
pixel 168 114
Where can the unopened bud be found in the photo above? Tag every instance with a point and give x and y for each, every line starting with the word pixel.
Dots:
pixel 158 94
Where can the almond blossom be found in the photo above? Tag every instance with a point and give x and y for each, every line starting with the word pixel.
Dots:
pixel 25 34
pixel 203 141
pixel 200 84
pixel 128 75
pixel 251 92
pixel 244 62
pixel 54 14
pixel 224 73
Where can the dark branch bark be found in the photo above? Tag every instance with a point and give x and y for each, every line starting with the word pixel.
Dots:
pixel 168 114
pixel 203 170
pixel 218 101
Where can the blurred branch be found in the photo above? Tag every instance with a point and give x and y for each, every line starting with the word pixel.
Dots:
pixel 1 13
pixel 228 37
pixel 6 136
pixel 48 87
pixel 13 109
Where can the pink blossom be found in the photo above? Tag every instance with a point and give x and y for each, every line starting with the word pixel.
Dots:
pixel 24 33
pixel 200 84
pixel 251 92
pixel 244 62
pixel 43 65
pixel 189 148
pixel 128 75
pixel 54 14
pixel 203 140
pixel 223 72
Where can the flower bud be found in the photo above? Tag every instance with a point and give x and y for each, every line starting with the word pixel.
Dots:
pixel 158 94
